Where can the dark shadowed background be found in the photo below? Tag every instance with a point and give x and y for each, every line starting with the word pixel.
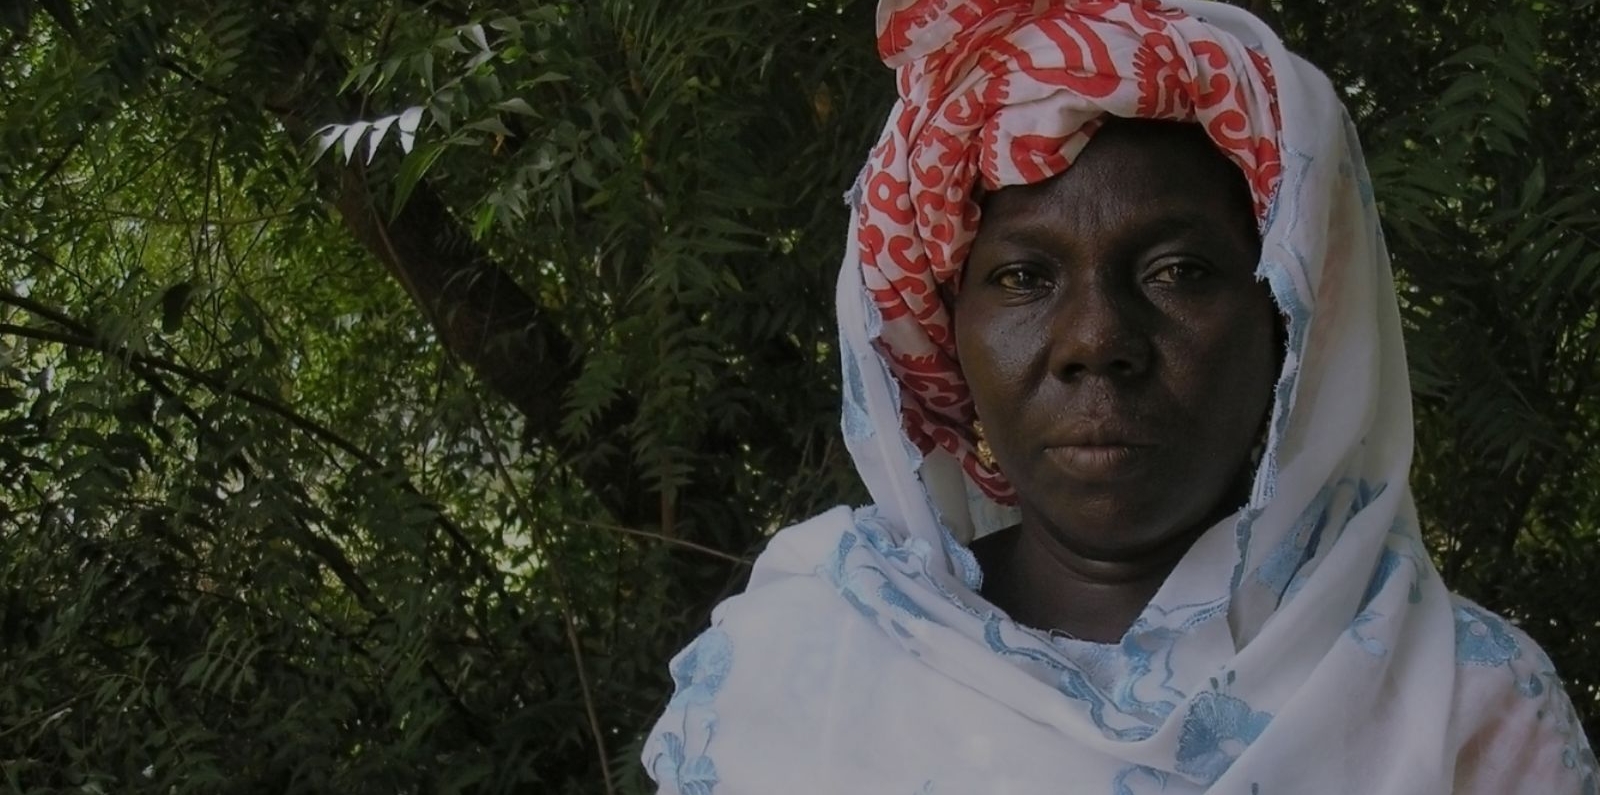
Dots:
pixel 388 389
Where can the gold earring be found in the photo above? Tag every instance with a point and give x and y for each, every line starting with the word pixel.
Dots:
pixel 985 454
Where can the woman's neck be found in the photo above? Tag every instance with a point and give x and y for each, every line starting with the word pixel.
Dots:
pixel 1041 583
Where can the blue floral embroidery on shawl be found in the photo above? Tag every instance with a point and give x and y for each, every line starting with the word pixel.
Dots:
pixel 1127 689
pixel 1290 562
pixel 853 419
pixel 1217 729
pixel 1123 783
pixel 846 581
pixel 1074 685
pixel 1578 756
pixel 698 673
pixel 965 562
pixel 1390 563
pixel 1486 640
pixel 694 776
pixel 996 641
pixel 1483 638
pixel 1297 546
pixel 865 581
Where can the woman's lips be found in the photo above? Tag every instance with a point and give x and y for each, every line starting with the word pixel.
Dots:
pixel 1099 461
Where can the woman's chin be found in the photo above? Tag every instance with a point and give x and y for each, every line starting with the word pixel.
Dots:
pixel 1119 518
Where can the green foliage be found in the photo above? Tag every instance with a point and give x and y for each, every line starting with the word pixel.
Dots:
pixel 261 532
pixel 387 391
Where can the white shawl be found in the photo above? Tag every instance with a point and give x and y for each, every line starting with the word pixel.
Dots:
pixel 1304 645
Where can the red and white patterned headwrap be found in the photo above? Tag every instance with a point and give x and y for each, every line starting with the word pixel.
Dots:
pixel 1008 92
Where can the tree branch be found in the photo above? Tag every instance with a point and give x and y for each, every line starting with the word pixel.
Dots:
pixel 483 317
pixel 487 321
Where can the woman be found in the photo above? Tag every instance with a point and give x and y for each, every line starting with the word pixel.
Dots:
pixel 1124 376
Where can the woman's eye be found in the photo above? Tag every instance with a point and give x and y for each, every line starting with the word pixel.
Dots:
pixel 1018 280
pixel 1176 271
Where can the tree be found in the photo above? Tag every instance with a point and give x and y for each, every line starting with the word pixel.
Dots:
pixel 387 390
pixel 284 520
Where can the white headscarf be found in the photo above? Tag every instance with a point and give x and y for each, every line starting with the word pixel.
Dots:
pixel 1304 644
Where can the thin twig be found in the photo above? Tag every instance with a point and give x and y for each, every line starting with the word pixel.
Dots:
pixel 162 220
pixel 49 172
pixel 565 596
pixel 48 313
pixel 93 342
pixel 329 553
pixel 677 542
pixel 86 337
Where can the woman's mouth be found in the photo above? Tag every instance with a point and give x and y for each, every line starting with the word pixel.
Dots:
pixel 1099 462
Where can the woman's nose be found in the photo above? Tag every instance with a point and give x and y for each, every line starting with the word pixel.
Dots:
pixel 1097 333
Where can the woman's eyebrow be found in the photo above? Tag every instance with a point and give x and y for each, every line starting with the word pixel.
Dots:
pixel 1174 222
pixel 1047 234
pixel 1022 234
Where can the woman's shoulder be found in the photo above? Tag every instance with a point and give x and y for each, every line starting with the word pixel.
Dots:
pixel 796 549
pixel 1515 727
pixel 1486 640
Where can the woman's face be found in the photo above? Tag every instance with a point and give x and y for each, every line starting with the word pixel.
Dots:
pixel 1120 351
